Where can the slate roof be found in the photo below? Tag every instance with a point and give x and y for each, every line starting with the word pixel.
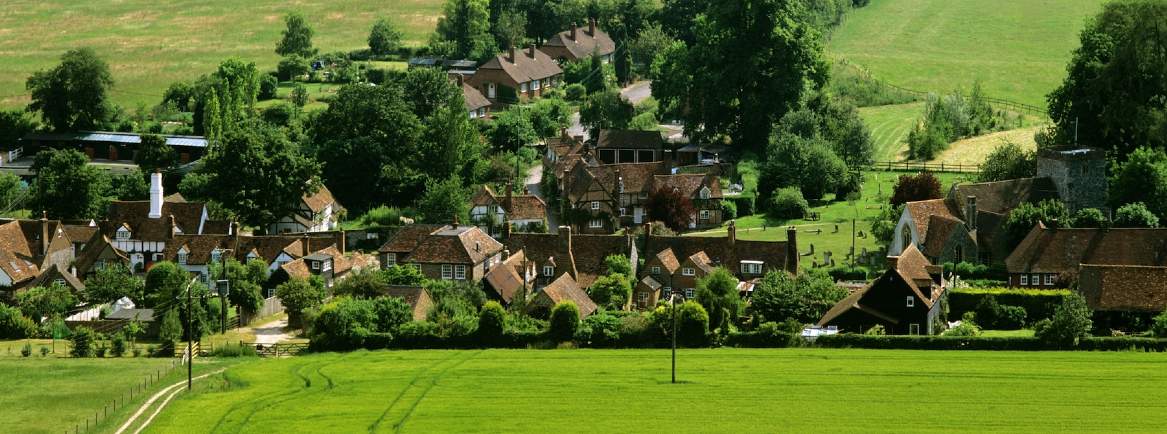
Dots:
pixel 1046 250
pixel 629 139
pixel 523 67
pixel 474 99
pixel 565 288
pixel 585 43
pixel 1124 288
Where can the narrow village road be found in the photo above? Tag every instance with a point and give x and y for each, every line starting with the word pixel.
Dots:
pixel 634 93
pixel 272 332
pixel 534 179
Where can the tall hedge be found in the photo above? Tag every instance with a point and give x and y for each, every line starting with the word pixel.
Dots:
pixel 1038 303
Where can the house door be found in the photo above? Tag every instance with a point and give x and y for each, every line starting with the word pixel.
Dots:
pixel 638 215
pixel 692 221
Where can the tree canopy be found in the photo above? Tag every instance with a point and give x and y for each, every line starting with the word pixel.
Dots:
pixel 297 36
pixel 74 95
pixel 717 292
pixel 66 186
pixel 463 31
pixel 384 38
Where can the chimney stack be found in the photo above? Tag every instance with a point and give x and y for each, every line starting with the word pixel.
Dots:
pixel 44 233
pixel 732 229
pixel 792 255
pixel 592 27
pixel 531 51
pixel 512 54
pixel 156 195
pixel 173 228
pixel 970 212
pixel 892 262
pixel 573 26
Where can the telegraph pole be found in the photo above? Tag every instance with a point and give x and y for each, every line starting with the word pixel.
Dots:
pixel 189 337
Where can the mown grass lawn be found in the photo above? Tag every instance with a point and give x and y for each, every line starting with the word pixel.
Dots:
pixel 721 390
pixel 822 234
pixel 1017 48
pixel 150 44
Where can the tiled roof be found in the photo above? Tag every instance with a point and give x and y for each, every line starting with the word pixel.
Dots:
pixel 629 139
pixel 53 272
pixel 199 247
pixel 526 207
pixel 940 229
pixel 505 281
pixel 474 98
pixel 135 214
pixel 407 238
pixel 586 257
pixel 523 67
pixel 911 267
pixel 16 254
pixel 1046 250
pixel 454 245
pixel 320 200
pixel 585 43
pixel 701 260
pixel 1124 287
pixel 668 260
pixel 566 289
pixel 922 212
pixel 1002 196
pixel 689 184
pixel 483 196
pixel 297 269
pixel 417 298
pixel 721 253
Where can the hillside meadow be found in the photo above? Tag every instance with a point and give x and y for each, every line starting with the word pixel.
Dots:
pixel 150 44
pixel 721 390
pixel 1017 48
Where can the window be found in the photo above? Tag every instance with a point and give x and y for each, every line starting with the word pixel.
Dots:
pixel 704 193
pixel 655 270
pixel 623 212
pixel 1035 280
pixel 447 271
pixel 473 114
pixel 390 259
pixel 59 282
pixel 595 206
pixel 122 234
pixel 524 87
pixel 642 299
pixel 595 224
pixel 704 214
pixel 1049 280
pixel 491 91
pixel 216 255
pixel 688 293
pixel 688 271
pixel 459 272
pixel 156 257
pixel 482 112
pixel 913 329
pixel 182 257
pixel 667 292
pixel 535 85
pixel 1024 279
pixel 548 270
pixel 751 267
pixel 911 301
pixel 315 265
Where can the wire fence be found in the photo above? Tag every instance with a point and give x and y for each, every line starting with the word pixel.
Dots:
pixel 125 398
pixel 889 166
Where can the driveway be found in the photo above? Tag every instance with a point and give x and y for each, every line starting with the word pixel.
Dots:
pixel 534 179
pixel 637 92
pixel 272 332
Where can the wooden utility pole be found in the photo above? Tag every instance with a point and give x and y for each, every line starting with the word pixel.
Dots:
pixel 189 337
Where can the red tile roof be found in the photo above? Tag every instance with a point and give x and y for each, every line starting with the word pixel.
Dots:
pixel 1046 250
pixel 585 43
pixel 1124 288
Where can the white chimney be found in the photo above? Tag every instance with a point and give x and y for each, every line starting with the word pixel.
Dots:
pixel 156 195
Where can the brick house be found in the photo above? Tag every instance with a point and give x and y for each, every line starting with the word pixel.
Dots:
pixel 446 252
pixel 562 289
pixel 580 43
pixel 476 103
pixel 516 277
pixel 1051 258
pixel 518 76
pixel 906 299
pixel 580 255
pixel 490 211
pixel 703 190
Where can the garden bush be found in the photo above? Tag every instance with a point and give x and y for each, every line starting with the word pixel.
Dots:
pixel 564 321
pixel 26 350
pixel 118 345
pixel 744 204
pixel 491 321
pixel 14 325
pixel 996 316
pixel 1037 303
pixel 728 210
pixel 1159 325
pixel 787 203
pixel 600 330
pixel 1070 322
pixel 82 340
pixel 692 323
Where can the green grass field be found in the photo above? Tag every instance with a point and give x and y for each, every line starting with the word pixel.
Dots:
pixel 877 189
pixel 721 390
pixel 890 125
pixel 150 44
pixel 1018 48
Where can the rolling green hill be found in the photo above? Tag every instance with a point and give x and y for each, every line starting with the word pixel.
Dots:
pixel 149 44
pixel 1018 48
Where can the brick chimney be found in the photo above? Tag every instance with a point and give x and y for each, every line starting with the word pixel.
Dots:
pixel 592 27
pixel 970 212
pixel 892 262
pixel 573 26
pixel 531 51
pixel 732 229
pixel 173 228
pixel 565 232
pixel 512 54
pixel 44 233
pixel 156 194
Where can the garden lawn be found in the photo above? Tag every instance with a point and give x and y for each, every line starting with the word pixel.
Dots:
pixel 822 234
pixel 150 44
pixel 720 390
pixel 1017 48
pixel 52 394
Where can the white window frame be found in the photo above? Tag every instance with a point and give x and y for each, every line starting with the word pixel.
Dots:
pixel 751 267
pixel 315 265
pixel 390 259
pixel 447 271
pixel 535 85
pixel 473 114
pixel 216 255
pixel 122 234
pixel 911 301
pixel 1035 279
pixel 548 270
pixel 60 282
pixel 491 90
pixel 704 214
pixel 596 224
pixel 655 270
pixel 182 257
pixel 704 194
pixel 459 272
pixel 913 329
pixel 623 211
pixel 642 299
pixel 595 205
pixel 1024 279
pixel 688 271
pixel 524 87
pixel 1049 280
pixel 689 293
pixel 666 291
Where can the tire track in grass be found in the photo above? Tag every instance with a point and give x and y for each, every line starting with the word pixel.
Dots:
pixel 294 369
pixel 295 393
pixel 271 399
pixel 400 425
pixel 412 382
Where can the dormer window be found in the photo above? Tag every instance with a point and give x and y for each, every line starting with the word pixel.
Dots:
pixel 182 255
pixel 122 234
pixel 315 265
pixel 911 301
pixel 704 194
pixel 595 206
pixel 216 255
pixel 655 270
pixel 688 271
pixel 548 270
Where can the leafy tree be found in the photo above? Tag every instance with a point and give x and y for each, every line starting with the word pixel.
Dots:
pixel 645 46
pixel 444 200
pixel 131 186
pixel 179 93
pixel 1141 178
pixel 259 175
pixel 299 295
pixel 788 203
pixel 384 38
pixel 169 331
pixel 1112 96
pixel 809 165
pixel 883 228
pixel 1021 220
pixel 113 282
pixel 491 321
pixel 269 87
pixel 804 298
pixel 511 29
pixel 46 301
pixel 363 285
pixel 1158 325
pixel 717 292
pixel 165 282
pixel 606 110
pixel 611 291
pixel 297 37
pixel 1071 321
pixel 66 186
pixel 403 275
pixel 154 154
pixel 391 313
pixel 15 124
pixel 82 342
pixel 14 325
pixel 549 116
pixel 618 264
pixel 13 193
pixel 292 67
pixel 1008 161
pixel 74 95
pixel 564 321
pixel 911 188
pixel 1135 215
pixel 748 64
pixel 463 31
pixel 1089 218
pixel 299 96
pixel 511 130
pixel 671 207
pixel 692 322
